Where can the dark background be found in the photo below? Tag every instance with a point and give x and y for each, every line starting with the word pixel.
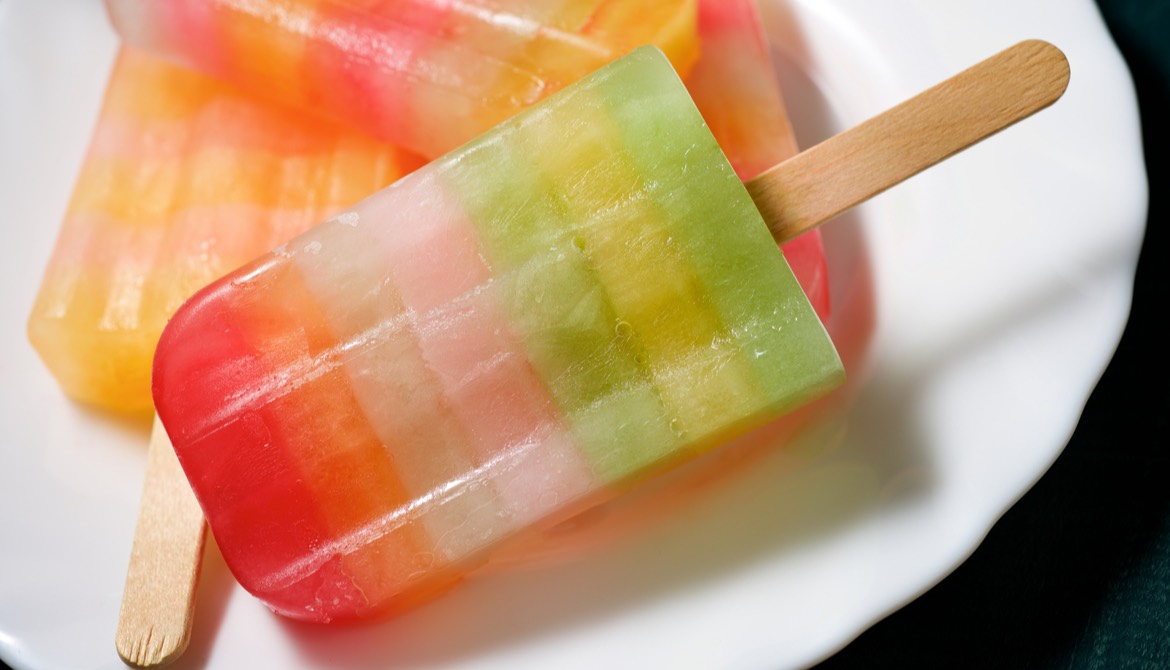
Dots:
pixel 1077 573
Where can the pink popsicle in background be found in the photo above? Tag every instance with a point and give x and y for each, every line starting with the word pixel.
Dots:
pixel 427 75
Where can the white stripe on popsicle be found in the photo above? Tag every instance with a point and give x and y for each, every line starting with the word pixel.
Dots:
pixel 400 397
pixel 466 340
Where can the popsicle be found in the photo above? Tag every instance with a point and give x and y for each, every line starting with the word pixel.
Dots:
pixel 581 297
pixel 733 83
pixel 427 75
pixel 185 179
pixel 735 87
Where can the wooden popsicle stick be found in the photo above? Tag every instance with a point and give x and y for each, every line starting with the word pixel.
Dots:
pixel 158 603
pixel 853 166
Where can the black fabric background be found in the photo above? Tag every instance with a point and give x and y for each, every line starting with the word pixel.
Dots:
pixel 1077 573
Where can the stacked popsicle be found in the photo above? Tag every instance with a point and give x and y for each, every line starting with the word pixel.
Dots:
pixel 185 179
pixel 422 74
pixel 579 297
pixel 735 87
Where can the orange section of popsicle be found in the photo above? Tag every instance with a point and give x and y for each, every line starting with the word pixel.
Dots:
pixel 372 510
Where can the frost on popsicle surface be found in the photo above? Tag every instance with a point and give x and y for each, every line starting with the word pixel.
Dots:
pixel 579 298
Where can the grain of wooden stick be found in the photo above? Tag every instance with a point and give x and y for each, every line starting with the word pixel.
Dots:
pixel 847 169
pixel 158 604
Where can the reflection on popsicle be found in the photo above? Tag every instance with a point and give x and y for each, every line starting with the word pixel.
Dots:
pixel 534 322
pixel 735 88
pixel 185 179
pixel 423 74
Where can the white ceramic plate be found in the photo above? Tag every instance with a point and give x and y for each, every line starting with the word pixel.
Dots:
pixel 990 292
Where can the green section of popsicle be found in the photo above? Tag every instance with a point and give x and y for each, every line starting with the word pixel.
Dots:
pixel 717 225
pixel 653 302
pixel 557 305
pixel 631 244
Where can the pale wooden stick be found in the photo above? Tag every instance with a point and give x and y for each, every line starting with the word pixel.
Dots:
pixel 849 168
pixel 158 603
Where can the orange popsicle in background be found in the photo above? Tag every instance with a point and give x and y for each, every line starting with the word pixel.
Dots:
pixel 185 179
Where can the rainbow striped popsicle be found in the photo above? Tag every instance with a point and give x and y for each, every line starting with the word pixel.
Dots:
pixel 185 179
pixel 581 297
pixel 427 75
pixel 735 87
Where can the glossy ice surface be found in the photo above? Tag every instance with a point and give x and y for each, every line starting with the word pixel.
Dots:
pixel 185 180
pixel 735 87
pixel 425 74
pixel 578 298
